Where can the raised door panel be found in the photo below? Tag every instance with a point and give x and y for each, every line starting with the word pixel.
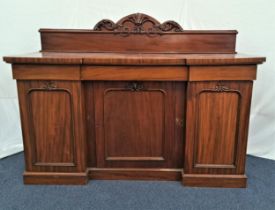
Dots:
pixel 216 128
pixel 53 125
pixel 217 125
pixel 141 114
pixel 138 124
pixel 50 114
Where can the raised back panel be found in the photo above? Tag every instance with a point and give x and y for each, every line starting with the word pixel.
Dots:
pixel 138 33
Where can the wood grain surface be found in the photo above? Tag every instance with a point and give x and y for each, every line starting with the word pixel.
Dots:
pixel 135 99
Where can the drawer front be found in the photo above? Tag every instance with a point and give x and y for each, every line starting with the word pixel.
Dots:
pixel 137 73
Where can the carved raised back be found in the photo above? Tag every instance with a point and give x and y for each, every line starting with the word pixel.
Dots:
pixel 138 33
pixel 138 23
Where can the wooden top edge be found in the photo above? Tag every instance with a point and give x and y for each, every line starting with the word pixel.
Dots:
pixel 223 59
pixel 50 30
pixel 41 60
pixel 134 59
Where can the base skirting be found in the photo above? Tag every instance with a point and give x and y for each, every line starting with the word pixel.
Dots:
pixel 193 180
pixel 135 174
pixel 55 178
pixel 211 180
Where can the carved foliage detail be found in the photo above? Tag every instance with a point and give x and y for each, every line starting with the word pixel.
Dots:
pixel 138 23
pixel 134 86
pixel 49 85
pixel 221 88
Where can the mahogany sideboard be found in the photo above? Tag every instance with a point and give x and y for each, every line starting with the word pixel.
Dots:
pixel 135 99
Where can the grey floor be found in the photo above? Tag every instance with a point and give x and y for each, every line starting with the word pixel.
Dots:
pixel 259 195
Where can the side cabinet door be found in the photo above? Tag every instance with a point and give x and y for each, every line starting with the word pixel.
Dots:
pixel 217 127
pixel 52 124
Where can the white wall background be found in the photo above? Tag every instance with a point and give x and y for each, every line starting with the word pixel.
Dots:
pixel 254 19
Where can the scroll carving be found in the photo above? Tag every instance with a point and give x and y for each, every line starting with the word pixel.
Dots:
pixel 138 23
pixel 105 25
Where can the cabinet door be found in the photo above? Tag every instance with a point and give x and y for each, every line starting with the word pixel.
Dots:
pixel 52 124
pixel 139 124
pixel 217 126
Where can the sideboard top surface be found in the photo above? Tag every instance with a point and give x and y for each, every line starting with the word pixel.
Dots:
pixel 134 58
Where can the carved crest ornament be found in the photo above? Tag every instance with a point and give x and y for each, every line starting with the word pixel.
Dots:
pixel 138 23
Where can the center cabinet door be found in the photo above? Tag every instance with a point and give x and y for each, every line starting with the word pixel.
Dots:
pixel 139 124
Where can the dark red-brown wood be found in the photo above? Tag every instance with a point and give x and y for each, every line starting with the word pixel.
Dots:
pixel 90 41
pixel 137 59
pixel 217 124
pixel 135 99
pixel 139 127
pixel 53 126
pixel 128 34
